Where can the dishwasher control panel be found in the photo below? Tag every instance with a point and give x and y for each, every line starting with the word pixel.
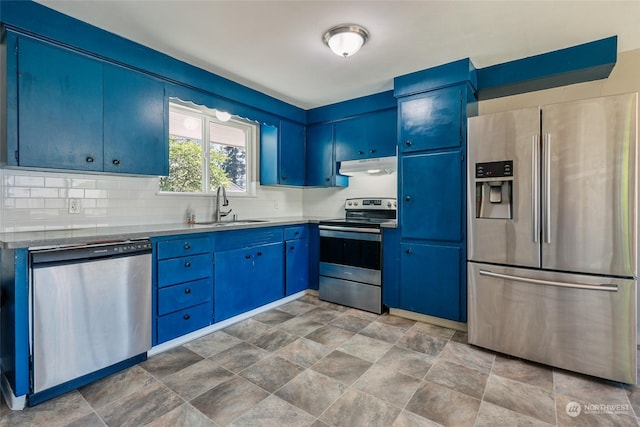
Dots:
pixel 90 251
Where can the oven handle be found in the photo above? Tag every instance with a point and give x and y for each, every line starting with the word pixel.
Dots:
pixel 349 229
pixel 338 234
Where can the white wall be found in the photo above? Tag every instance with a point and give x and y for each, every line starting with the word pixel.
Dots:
pixel 329 202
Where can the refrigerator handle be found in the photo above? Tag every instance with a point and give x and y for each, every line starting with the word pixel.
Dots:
pixel 535 188
pixel 546 167
pixel 608 287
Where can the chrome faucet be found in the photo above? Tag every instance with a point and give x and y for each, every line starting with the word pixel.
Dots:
pixel 218 214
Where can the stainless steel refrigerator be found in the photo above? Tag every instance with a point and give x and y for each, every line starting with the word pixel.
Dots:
pixel 552 234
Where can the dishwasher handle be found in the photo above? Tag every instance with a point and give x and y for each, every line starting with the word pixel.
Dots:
pixel 90 252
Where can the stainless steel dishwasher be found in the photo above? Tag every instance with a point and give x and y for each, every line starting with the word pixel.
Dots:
pixel 90 309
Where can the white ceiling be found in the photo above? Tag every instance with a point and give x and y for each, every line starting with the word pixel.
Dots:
pixel 276 47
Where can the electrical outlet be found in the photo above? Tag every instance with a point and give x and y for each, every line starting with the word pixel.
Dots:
pixel 74 206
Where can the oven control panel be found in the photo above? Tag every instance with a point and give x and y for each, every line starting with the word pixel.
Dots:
pixel 370 203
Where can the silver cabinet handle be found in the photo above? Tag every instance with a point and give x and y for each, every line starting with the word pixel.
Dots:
pixel 535 188
pixel 608 288
pixel 546 149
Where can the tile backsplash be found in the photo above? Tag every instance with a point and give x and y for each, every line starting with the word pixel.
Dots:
pixel 34 201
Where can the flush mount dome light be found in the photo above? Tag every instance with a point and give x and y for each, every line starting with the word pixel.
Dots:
pixel 345 39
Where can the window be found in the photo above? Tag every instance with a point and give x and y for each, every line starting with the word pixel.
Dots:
pixel 224 159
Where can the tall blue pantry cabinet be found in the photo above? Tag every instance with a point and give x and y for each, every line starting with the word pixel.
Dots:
pixel 433 106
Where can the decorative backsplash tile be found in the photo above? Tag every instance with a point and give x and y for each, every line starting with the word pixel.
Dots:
pixel 34 200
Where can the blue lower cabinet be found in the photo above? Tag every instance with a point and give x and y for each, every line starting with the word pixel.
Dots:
pixel 390 267
pixel 247 278
pixel 182 322
pixel 297 265
pixel 430 280
pixel 182 285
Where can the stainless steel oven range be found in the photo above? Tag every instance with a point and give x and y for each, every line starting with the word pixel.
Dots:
pixel 351 254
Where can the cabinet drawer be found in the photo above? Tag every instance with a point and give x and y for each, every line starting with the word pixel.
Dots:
pixel 184 321
pixel 184 269
pixel 178 297
pixel 227 240
pixel 297 232
pixel 182 247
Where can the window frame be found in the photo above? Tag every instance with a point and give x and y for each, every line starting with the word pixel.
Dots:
pixel 207 115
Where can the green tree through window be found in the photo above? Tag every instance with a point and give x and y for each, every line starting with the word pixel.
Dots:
pixel 226 151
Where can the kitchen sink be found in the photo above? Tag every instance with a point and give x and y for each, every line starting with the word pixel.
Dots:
pixel 227 223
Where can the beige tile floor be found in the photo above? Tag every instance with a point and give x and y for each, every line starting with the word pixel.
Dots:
pixel 311 363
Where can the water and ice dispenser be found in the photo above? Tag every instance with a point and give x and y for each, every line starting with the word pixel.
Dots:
pixel 494 187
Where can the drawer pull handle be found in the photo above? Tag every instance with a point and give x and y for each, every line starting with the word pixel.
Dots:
pixel 116 162
pixel 292 247
pixel 407 199
pixel 259 253
pixel 408 251
pixel 187 264
pixel 186 317
pixel 360 152
pixel 187 246
pixel 89 159
pixel 187 291
pixel 247 256
pixel 408 143
pixel 373 150
pixel 296 233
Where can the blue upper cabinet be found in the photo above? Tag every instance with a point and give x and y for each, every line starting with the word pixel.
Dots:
pixel 71 111
pixel 432 120
pixel 292 153
pixel 282 154
pixel 321 161
pixel 366 136
pixel 59 106
pixel 135 113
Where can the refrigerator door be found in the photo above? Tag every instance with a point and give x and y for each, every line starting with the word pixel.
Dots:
pixel 581 323
pixel 589 186
pixel 510 136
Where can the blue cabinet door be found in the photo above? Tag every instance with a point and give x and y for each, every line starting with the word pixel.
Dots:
pixel 282 154
pixel 247 278
pixel 432 120
pixel 430 280
pixel 292 154
pixel 431 196
pixel 59 108
pixel 269 157
pixel 135 136
pixel 321 164
pixel 268 276
pixel 370 135
pixel 297 265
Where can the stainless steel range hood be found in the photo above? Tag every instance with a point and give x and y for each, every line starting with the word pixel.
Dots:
pixel 376 166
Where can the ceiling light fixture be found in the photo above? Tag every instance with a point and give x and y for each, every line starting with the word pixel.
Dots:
pixel 345 39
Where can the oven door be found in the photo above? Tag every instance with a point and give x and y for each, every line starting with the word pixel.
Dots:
pixel 351 255
pixel 350 267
